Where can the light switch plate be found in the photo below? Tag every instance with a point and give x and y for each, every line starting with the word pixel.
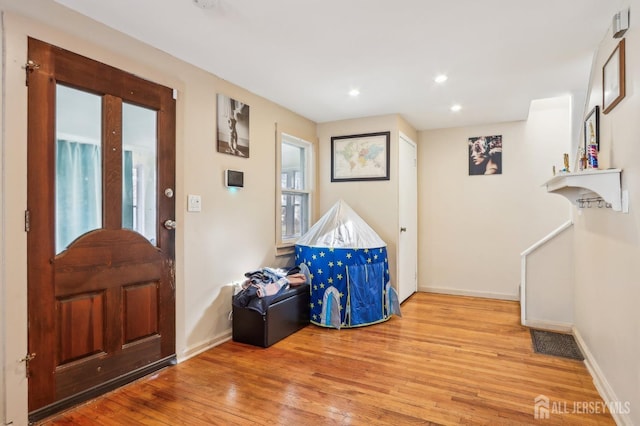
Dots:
pixel 194 203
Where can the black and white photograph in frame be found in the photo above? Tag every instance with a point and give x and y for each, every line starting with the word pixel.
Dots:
pixel 233 126
pixel 485 155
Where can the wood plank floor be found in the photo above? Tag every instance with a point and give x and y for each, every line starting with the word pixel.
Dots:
pixel 449 360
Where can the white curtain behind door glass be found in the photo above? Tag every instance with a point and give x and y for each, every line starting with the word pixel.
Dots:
pixel 78 191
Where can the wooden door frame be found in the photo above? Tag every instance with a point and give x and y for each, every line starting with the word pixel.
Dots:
pixel 56 66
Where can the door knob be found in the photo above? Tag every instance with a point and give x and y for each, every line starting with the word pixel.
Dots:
pixel 170 224
pixel 403 229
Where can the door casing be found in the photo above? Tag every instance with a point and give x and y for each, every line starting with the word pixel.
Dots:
pixel 408 218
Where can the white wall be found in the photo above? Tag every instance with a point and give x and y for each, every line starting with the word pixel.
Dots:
pixel 607 289
pixel 235 232
pixel 549 275
pixel 473 228
pixel 375 201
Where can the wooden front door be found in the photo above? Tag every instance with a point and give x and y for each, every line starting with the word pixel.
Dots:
pixel 101 176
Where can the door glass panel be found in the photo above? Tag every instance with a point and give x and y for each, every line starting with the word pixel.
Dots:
pixel 139 189
pixel 78 180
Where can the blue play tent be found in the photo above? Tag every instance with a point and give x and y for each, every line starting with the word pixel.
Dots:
pixel 350 285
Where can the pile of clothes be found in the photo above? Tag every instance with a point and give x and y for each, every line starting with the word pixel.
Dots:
pixel 264 285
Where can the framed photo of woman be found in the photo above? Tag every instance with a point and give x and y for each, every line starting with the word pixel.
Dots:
pixel 485 155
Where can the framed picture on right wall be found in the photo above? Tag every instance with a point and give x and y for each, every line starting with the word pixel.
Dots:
pixel 613 78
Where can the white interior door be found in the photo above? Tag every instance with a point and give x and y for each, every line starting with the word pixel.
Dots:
pixel 408 219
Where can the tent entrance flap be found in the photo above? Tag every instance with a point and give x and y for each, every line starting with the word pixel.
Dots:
pixel 366 293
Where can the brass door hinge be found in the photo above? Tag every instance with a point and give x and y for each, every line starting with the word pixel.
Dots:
pixel 26 361
pixel 29 67
pixel 27 220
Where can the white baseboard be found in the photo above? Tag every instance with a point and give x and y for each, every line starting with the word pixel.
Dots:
pixel 550 326
pixel 456 292
pixel 601 383
pixel 194 350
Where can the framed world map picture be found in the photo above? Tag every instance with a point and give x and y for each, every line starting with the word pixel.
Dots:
pixel 360 157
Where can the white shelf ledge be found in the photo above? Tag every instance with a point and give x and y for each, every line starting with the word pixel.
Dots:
pixel 604 183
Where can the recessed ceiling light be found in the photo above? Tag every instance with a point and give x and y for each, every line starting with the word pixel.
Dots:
pixel 456 108
pixel 354 92
pixel 441 78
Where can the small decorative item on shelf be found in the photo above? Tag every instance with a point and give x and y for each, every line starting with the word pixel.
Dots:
pixel 592 141
pixel 566 163
pixel 592 154
pixel 583 159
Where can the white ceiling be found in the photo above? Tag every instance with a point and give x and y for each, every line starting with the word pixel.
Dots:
pixel 307 54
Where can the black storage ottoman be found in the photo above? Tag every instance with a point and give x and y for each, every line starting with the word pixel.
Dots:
pixel 287 313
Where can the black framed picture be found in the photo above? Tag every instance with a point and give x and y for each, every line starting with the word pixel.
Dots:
pixel 592 129
pixel 360 157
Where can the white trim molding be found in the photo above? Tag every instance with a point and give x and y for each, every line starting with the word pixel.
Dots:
pixel 560 327
pixel 204 346
pixel 600 381
pixel 458 292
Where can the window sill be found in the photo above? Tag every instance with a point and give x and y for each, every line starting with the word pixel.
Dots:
pixel 285 250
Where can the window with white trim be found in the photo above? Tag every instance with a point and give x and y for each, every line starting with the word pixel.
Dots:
pixel 296 182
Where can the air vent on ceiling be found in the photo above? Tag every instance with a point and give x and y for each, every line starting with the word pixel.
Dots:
pixel 206 4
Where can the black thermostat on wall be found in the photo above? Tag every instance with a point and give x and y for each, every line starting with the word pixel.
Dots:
pixel 233 179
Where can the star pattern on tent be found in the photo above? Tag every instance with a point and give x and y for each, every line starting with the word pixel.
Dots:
pixel 340 263
pixel 331 249
pixel 311 276
pixel 321 285
pixel 330 280
pixel 315 287
pixel 315 317
pixel 369 260
pixel 348 255
pixel 366 250
pixel 319 271
pixel 311 305
pixel 321 254
pixel 331 264
pixel 375 257
pixel 314 257
pixel 339 276
pixel 319 301
pixel 341 295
